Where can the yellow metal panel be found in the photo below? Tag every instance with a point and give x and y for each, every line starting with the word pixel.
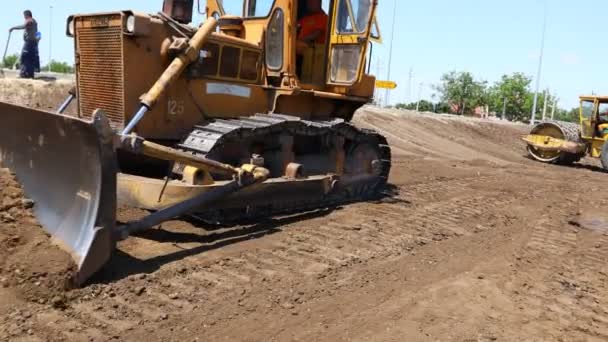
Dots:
pixel 344 39
pixel 547 143
pixel 544 141
pixel 313 66
pixel 596 147
pixel 386 84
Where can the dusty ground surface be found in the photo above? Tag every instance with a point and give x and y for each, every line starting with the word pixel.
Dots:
pixel 476 243
pixel 32 268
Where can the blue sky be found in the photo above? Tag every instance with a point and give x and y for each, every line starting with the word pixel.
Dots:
pixel 487 38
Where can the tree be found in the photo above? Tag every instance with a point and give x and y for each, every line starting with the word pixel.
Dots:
pixel 425 106
pixel 408 106
pixel 10 60
pixel 442 107
pixel 568 115
pixel 514 92
pixel 60 67
pixel 462 91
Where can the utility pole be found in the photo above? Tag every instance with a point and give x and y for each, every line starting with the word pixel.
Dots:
pixel 545 104
pixel 553 109
pixel 504 109
pixel 419 97
pixel 377 95
pixel 540 66
pixel 50 35
pixel 390 54
pixel 409 85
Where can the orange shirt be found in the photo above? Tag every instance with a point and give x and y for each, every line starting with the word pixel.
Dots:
pixel 311 23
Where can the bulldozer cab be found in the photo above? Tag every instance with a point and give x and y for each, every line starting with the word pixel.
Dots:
pixel 333 56
pixel 593 116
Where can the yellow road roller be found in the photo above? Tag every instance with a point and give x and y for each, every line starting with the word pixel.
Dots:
pixel 565 143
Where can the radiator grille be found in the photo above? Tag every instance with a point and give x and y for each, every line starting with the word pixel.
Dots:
pixel 100 72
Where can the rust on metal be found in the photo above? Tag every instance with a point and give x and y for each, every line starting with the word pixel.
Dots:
pixel 293 171
pixel 179 64
pixel 100 68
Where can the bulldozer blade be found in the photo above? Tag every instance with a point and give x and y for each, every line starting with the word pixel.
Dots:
pixel 67 166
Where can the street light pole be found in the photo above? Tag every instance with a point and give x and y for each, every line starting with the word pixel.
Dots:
pixel 553 110
pixel 390 54
pixel 378 95
pixel 409 86
pixel 419 97
pixel 50 35
pixel 545 105
pixel 540 66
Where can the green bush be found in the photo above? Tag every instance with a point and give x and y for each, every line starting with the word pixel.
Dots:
pixel 60 67
pixel 10 61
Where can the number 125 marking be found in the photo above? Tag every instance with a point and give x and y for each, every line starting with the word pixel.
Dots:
pixel 175 107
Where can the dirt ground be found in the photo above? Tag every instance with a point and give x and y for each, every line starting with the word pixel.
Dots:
pixel 474 242
pixel 32 268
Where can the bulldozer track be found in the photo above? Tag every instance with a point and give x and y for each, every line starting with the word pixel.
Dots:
pixel 209 140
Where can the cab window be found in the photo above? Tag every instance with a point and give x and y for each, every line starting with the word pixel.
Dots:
pixel 231 7
pixel 258 8
pixel 353 16
pixel 247 8
pixel 603 111
pixel 587 109
pixel 603 108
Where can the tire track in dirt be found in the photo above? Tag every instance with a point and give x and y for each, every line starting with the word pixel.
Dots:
pixel 560 294
pixel 180 277
pixel 334 244
pixel 315 249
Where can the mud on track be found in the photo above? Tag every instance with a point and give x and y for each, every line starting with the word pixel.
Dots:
pixel 473 242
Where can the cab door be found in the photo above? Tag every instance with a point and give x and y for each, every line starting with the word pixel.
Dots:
pixel 587 115
pixel 351 24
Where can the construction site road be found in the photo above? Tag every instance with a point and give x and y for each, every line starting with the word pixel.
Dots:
pixel 472 242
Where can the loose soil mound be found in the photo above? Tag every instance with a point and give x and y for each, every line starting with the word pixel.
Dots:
pixel 30 265
pixel 39 94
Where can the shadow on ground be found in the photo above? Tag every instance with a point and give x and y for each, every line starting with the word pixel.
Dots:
pixel 123 265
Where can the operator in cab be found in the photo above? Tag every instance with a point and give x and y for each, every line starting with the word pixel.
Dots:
pixel 312 26
pixel 30 59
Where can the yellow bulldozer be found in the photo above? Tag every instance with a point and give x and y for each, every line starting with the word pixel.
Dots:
pixel 566 143
pixel 235 119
